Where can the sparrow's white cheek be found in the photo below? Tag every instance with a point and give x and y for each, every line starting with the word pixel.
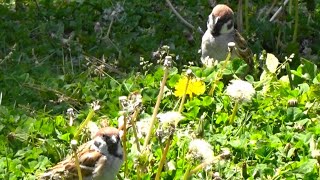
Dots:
pixel 211 23
pixel 100 145
pixel 227 27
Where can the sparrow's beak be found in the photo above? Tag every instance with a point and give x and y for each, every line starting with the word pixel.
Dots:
pixel 216 20
pixel 215 31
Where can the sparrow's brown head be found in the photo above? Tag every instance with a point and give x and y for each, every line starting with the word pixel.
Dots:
pixel 111 136
pixel 221 20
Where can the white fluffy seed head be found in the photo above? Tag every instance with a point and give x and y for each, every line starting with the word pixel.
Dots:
pixel 240 90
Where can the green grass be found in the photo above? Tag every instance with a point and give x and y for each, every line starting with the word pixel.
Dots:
pixel 53 57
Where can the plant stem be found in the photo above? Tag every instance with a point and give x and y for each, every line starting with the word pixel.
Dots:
pixel 246 14
pixel 199 167
pixel 187 173
pixel 219 74
pixel 289 75
pixel 76 159
pixel 124 144
pixel 184 95
pixel 163 157
pixel 296 21
pixel 89 117
pixel 234 112
pixel 239 18
pixel 156 108
pixel 134 128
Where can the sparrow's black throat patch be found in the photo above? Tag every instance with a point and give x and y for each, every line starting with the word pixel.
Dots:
pixel 113 148
pixel 216 31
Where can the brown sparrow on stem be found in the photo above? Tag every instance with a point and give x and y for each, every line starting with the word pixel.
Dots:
pixel 99 159
pixel 221 31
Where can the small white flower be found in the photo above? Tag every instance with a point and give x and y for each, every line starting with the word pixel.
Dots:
pixel 200 149
pixel 170 117
pixel 95 105
pixel 240 90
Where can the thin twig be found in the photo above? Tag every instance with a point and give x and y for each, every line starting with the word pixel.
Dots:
pixel 185 22
pixel 279 10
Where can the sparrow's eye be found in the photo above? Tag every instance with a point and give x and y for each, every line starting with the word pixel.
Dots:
pixel 111 139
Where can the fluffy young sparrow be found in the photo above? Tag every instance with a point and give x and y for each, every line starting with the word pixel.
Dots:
pixel 220 31
pixel 99 159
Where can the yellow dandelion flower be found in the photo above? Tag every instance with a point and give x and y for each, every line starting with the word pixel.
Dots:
pixel 195 86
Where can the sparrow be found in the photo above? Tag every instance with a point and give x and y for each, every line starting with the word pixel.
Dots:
pixel 99 159
pixel 220 31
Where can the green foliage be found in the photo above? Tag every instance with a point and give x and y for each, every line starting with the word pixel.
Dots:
pixel 56 55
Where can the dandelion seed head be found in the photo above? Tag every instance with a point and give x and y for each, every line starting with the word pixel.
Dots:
pixel 143 126
pixel 240 90
pixel 170 118
pixel 200 149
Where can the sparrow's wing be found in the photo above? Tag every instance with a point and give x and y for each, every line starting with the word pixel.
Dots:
pixel 243 50
pixel 67 169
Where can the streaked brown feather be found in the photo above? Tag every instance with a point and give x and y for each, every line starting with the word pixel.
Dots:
pixel 67 168
pixel 243 50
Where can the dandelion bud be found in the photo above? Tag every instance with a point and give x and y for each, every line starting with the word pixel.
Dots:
pixel 70 113
pixel 231 46
pixel 74 144
pixel 292 102
pixel 189 72
pixel 168 61
pixel 225 153
pixel 95 105
pixel 216 176
pixel 123 102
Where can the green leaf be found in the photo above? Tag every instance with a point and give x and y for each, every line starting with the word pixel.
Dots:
pixel 222 118
pixel 207 100
pixel 272 62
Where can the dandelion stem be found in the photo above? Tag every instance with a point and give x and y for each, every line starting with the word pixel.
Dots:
pixel 77 164
pixel 84 123
pixel 156 108
pixel 187 173
pixel 124 143
pixel 289 75
pixel 184 95
pixel 163 157
pixel 219 74
pixel 76 159
pixel 134 127
pixel 198 168
pixel 234 112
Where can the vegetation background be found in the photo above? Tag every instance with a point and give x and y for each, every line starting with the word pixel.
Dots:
pixel 61 54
